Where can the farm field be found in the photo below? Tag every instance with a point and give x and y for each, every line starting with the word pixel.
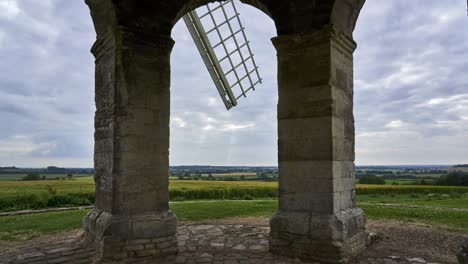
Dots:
pixel 86 185
pixel 232 174
pixel 17 177
pixel 25 227
pixel 196 200
pixel 21 195
pixel 82 184
pixel 402 182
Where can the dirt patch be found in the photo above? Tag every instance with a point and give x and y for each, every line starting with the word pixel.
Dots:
pixel 411 240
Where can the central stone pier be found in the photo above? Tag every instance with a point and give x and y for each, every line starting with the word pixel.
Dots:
pixel 317 218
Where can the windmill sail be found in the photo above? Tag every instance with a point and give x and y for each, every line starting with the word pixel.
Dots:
pixel 220 38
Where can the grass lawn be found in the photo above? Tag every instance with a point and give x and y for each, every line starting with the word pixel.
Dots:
pixel 24 227
pixel 29 226
pixel 445 219
pixel 434 200
pixel 202 210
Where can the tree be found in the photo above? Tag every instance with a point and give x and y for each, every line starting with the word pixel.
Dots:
pixel 264 177
pixel 453 179
pixel 32 177
pixel 424 182
pixel 371 179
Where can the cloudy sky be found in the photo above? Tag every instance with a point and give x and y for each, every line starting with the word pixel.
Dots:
pixel 411 88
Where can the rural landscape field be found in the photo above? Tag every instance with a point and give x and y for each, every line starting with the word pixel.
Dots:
pixel 400 194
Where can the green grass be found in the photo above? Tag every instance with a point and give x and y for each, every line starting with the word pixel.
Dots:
pixel 25 227
pixel 203 210
pixel 408 189
pixel 446 219
pixel 434 200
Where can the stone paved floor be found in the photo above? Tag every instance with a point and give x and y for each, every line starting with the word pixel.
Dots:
pixel 233 244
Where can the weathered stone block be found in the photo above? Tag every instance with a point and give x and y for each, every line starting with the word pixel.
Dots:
pixel 121 237
pixel 329 238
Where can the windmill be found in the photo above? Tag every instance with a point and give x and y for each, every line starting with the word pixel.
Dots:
pixel 221 40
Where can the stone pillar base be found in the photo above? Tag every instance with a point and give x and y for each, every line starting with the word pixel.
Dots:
pixel 119 237
pixel 319 237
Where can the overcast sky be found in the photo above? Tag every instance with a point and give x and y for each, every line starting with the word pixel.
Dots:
pixel 411 88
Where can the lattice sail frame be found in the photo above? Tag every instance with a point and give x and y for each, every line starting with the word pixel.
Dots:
pixel 230 60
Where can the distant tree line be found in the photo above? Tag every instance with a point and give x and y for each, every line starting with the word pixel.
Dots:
pixel 371 179
pixel 48 170
pixel 185 171
pixel 210 177
pixel 38 177
pixel 453 179
pixel 404 173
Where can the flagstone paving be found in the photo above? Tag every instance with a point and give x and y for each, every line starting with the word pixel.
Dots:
pixel 217 244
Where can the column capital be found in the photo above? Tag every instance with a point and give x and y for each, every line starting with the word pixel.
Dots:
pixel 126 37
pixel 294 43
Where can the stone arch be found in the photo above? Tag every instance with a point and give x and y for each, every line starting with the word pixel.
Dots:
pixel 345 14
pixel 317 217
pixel 194 4
pixel 291 17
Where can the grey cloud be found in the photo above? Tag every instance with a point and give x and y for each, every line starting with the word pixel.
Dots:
pixel 410 52
pixel 429 36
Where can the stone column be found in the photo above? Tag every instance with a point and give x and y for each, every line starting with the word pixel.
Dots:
pixel 131 158
pixel 317 218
